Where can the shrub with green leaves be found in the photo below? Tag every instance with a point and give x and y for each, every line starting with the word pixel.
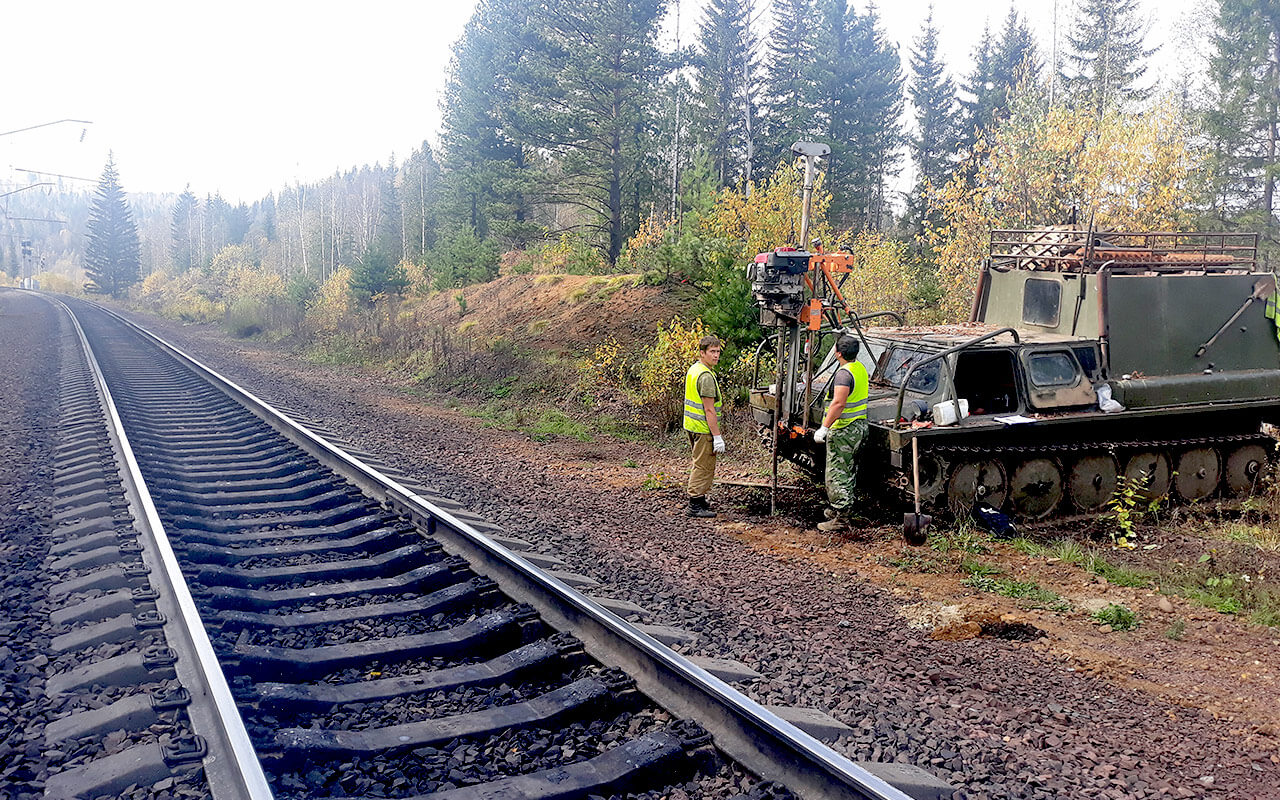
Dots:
pixel 1119 617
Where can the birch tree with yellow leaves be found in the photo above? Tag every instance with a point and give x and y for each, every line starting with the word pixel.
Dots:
pixel 1118 171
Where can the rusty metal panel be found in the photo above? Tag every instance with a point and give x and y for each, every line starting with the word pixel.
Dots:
pixel 1157 322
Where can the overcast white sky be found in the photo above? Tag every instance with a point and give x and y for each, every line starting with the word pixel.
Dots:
pixel 246 97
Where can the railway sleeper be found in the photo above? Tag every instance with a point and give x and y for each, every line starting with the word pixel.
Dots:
pixel 666 755
pixel 215 497
pixel 477 592
pixel 407 557
pixel 334 516
pixel 550 710
pixel 492 633
pixel 262 504
pixel 387 537
pixel 420 579
pixel 281 531
pixel 299 477
pixel 540 657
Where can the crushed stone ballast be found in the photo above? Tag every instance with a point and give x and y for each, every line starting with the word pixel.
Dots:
pixel 376 642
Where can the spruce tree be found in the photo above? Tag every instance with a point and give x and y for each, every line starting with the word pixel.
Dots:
pixel 979 107
pixel 112 256
pixel 1015 58
pixel 787 113
pixel 725 88
pixel 184 231
pixel 375 275
pixel 866 134
pixel 998 69
pixel 1242 119
pixel 936 141
pixel 1105 55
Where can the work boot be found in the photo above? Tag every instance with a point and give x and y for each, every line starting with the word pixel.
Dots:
pixel 698 507
pixel 836 523
pixel 830 513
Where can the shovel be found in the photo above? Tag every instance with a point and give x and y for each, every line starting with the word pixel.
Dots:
pixel 915 526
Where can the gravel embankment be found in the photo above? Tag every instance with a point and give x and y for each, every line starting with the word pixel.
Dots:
pixel 994 717
pixel 28 387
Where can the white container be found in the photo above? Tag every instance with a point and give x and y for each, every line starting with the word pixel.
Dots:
pixel 944 413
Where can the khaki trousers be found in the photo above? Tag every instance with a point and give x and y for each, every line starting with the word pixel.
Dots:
pixel 702 469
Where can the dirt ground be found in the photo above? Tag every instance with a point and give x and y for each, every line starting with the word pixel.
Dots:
pixel 1191 660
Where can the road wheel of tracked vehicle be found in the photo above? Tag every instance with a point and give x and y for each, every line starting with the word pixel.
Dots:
pixel 1091 481
pixel 1148 471
pixel 1035 488
pixel 1197 473
pixel 972 481
pixel 1246 465
pixel 933 478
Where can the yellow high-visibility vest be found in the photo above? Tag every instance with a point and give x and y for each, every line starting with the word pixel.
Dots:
pixel 695 417
pixel 1270 309
pixel 856 406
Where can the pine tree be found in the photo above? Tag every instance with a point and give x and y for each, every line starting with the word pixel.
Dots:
pixel 935 144
pixel 1105 55
pixel 485 179
pixel 725 88
pixel 184 232
pixel 582 96
pixel 112 255
pixel 1242 118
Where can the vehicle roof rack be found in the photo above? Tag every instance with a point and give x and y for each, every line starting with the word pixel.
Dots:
pixel 1070 249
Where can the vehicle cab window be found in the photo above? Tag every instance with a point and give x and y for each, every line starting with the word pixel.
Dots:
pixel 898 361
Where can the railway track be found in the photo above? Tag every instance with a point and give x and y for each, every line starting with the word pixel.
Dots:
pixel 264 614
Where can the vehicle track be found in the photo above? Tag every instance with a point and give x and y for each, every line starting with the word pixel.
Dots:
pixel 368 659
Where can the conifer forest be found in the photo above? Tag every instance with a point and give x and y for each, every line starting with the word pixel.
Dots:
pixel 572 142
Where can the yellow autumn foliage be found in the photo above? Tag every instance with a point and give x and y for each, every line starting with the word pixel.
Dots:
pixel 767 215
pixel 1122 171
pixel 332 304
pixel 883 275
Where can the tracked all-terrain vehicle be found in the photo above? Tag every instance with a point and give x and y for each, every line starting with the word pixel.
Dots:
pixel 1091 357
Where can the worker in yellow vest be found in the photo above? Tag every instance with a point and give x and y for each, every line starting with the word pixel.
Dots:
pixel 702 422
pixel 843 430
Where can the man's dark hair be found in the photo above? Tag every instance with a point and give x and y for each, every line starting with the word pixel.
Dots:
pixel 848 346
pixel 708 342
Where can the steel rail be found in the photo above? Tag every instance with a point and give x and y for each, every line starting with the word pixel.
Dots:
pixel 233 769
pixel 744 730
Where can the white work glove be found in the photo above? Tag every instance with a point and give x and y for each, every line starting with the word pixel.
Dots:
pixel 820 435
pixel 717 444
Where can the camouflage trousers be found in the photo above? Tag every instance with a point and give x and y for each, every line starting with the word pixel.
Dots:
pixel 843 445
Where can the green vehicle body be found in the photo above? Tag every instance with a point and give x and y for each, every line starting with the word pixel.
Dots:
pixel 1173 325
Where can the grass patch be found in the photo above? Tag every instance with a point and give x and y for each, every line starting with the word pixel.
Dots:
pixel 656 480
pixel 539 326
pixel 630 463
pixel 1119 617
pixel 964 539
pixel 1266 539
pixel 1032 594
pixel 467 325
pixel 1115 574
pixel 1176 630
pixel 1027 547
pixel 547 280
